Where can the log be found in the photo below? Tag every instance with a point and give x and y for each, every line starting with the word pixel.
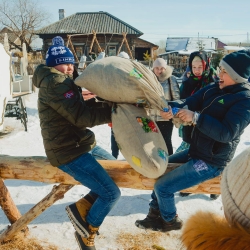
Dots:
pixel 7 204
pixel 56 194
pixel 38 168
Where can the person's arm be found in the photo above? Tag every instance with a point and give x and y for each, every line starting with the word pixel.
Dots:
pixel 64 98
pixel 233 124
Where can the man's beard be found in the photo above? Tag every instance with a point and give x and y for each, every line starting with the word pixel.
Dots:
pixel 163 76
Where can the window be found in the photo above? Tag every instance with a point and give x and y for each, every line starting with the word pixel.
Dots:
pixel 112 51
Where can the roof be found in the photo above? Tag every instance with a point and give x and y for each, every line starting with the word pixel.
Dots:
pixel 235 48
pixel 190 43
pixel 86 22
pixel 11 35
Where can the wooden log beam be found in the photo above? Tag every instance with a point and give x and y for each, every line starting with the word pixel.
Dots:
pixel 7 204
pixel 37 168
pixel 56 194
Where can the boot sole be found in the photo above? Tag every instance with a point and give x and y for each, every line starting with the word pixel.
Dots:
pixel 81 244
pixel 176 227
pixel 146 228
pixel 77 220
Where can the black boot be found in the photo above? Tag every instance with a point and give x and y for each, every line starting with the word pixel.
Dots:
pixel 182 194
pixel 214 196
pixel 152 220
pixel 174 224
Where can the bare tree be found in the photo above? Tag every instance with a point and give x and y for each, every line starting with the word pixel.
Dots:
pixel 162 46
pixel 22 18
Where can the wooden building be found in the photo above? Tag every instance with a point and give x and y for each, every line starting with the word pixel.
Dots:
pixel 94 32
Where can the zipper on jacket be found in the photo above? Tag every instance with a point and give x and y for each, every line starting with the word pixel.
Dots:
pixel 77 144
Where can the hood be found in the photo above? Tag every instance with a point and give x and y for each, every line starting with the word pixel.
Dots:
pixel 203 57
pixel 41 72
pixel 166 74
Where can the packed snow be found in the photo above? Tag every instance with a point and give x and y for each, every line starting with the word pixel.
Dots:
pixel 118 230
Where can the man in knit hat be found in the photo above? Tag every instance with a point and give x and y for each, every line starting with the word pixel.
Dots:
pixel 220 113
pixel 64 118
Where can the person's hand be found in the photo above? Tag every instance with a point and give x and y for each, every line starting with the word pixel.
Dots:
pixel 185 115
pixel 167 115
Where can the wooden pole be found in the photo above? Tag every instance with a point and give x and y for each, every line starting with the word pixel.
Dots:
pixel 37 168
pixel 92 42
pixel 56 194
pixel 118 51
pixel 73 49
pixel 7 204
pixel 126 42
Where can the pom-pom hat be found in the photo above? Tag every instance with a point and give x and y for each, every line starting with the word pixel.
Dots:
pixel 58 53
pixel 237 65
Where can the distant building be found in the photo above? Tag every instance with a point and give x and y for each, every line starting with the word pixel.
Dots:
pixel 109 31
pixel 178 50
pixel 230 49
pixel 190 43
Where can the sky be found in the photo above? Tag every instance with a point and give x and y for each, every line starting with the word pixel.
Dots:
pixel 227 20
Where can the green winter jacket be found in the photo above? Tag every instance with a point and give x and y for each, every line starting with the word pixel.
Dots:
pixel 65 116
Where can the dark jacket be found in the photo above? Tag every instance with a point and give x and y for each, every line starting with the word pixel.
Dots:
pixel 192 84
pixel 224 114
pixel 65 116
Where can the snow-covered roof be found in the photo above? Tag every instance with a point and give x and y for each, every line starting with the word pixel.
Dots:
pixel 190 43
pixel 235 48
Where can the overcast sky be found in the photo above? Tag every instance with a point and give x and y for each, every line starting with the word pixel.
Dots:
pixel 227 20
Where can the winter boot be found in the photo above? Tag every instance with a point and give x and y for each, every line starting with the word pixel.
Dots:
pixel 174 224
pixel 214 196
pixel 87 243
pixel 77 213
pixel 182 194
pixel 152 221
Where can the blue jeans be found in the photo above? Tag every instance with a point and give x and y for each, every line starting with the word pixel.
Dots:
pixel 101 154
pixel 191 173
pixel 91 174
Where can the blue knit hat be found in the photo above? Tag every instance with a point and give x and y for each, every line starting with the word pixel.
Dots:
pixel 58 53
pixel 237 65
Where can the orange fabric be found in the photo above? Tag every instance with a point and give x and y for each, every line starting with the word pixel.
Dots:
pixel 110 124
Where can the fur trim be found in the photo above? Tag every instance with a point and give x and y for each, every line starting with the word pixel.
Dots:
pixel 165 74
pixel 208 231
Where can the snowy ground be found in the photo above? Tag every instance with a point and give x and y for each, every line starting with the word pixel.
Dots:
pixel 118 230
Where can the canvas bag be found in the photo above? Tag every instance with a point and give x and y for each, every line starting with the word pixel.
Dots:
pixel 121 80
pixel 140 140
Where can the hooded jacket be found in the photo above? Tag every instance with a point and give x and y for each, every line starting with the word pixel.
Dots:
pixel 192 84
pixel 224 114
pixel 65 116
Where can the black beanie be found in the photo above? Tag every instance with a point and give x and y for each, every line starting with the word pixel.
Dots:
pixel 237 65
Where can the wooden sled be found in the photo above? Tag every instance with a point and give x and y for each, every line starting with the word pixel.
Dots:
pixel 37 168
